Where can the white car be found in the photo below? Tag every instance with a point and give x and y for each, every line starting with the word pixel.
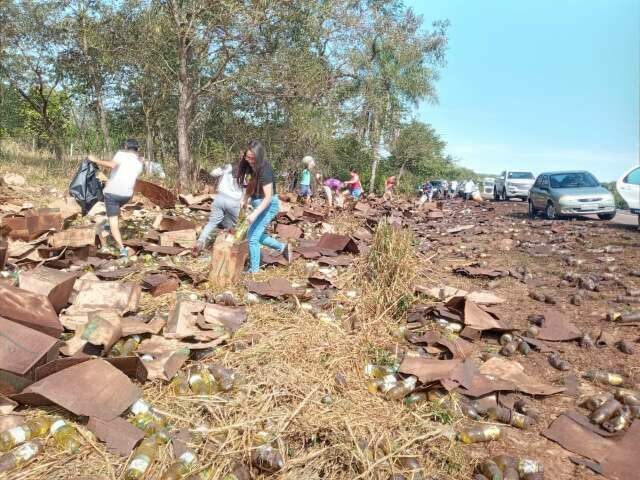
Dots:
pixel 513 184
pixel 628 187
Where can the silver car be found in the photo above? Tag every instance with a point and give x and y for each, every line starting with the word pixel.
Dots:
pixel 570 193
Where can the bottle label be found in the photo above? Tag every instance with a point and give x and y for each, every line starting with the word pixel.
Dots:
pixel 18 434
pixel 140 463
pixel 139 407
pixel 492 432
pixel 187 457
pixel 195 378
pixel 25 452
pixel 57 425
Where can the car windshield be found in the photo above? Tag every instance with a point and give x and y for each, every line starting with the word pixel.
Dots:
pixel 573 180
pixel 521 175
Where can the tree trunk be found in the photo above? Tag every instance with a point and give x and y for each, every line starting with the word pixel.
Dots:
pixel 401 172
pixel 185 161
pixel 148 154
pixel 375 147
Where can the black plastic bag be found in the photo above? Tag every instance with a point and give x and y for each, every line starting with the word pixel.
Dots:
pixel 85 186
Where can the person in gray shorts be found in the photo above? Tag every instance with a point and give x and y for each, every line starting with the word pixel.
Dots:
pixel 225 208
pixel 125 167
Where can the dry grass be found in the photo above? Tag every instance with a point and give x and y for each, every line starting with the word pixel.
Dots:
pixel 286 361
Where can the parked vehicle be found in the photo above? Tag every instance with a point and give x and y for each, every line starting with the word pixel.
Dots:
pixel 513 184
pixel 488 185
pixel 628 187
pixel 570 193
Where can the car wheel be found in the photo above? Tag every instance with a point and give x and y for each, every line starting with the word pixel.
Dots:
pixel 532 210
pixel 550 211
pixel 606 216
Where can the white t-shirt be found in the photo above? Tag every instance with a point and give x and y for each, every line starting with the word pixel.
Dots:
pixel 469 186
pixel 124 176
pixel 227 184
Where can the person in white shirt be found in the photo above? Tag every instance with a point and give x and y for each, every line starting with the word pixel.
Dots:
pixel 453 188
pixel 469 187
pixel 125 167
pixel 225 208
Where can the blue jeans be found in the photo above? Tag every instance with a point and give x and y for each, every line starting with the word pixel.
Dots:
pixel 305 191
pixel 256 235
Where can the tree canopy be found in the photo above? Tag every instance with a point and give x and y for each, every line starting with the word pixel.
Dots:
pixel 194 80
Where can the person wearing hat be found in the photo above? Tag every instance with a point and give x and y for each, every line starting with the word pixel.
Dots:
pixel 126 166
pixel 305 178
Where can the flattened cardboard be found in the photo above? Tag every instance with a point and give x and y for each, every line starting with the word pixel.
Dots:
pixel 231 317
pixel 22 348
pixel 288 232
pixel 557 327
pixel 30 309
pixel 74 237
pixel 103 329
pixel 135 326
pixel 97 295
pixel 165 364
pixel 157 194
pixel 120 436
pixel 54 284
pixel 93 388
pixel 274 288
pixel 511 371
pixel 179 238
pixel 183 322
pixel 338 243
pixel 164 223
pixel 428 370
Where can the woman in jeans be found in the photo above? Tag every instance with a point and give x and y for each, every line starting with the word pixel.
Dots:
pixel 261 194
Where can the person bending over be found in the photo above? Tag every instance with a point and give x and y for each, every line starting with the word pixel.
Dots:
pixel 125 166
pixel 261 194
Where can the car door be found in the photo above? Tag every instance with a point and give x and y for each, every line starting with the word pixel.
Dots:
pixel 629 189
pixel 543 193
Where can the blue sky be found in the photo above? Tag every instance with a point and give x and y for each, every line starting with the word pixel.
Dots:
pixel 539 85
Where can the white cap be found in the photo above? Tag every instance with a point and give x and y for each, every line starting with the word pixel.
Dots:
pixel 308 160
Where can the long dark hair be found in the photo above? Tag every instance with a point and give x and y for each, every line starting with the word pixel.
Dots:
pixel 243 166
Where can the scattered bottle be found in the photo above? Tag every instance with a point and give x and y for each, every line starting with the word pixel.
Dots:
pixel 623 316
pixel 125 347
pixel 402 389
pixel 226 298
pixel 415 398
pixel 509 349
pixel 527 466
pixel 224 377
pixel 469 411
pixel 36 427
pixel 66 436
pixel 242 226
pixel 605 411
pixel 510 417
pixel 142 407
pixel 628 397
pixel 533 331
pixel 380 371
pixel 143 456
pixel 505 338
pixel 484 433
pixel 267 459
pixel 526 407
pixel 506 461
pixel 20 456
pixel 558 363
pixel 147 419
pixel 181 467
pixel 524 348
pixel 382 385
pixel 201 382
pixel 600 376
pixel 619 422
pixel 595 401
pixel 626 346
pixel 180 384
pixel 490 470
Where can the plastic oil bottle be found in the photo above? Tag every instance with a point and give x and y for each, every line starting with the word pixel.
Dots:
pixel 66 436
pixel 20 456
pixel 125 347
pixel 201 382
pixel 143 457
pixel 180 384
pixel 181 467
pixel 484 433
pixel 36 427
pixel 242 226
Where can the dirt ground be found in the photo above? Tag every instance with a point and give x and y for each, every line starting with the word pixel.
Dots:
pixel 288 359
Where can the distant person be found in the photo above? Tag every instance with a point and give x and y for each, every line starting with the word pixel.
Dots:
pixel 427 192
pixel 331 186
pixel 305 178
pixel 226 205
pixel 389 187
pixel 453 188
pixel 261 195
pixel 126 167
pixel 354 185
pixel 469 188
